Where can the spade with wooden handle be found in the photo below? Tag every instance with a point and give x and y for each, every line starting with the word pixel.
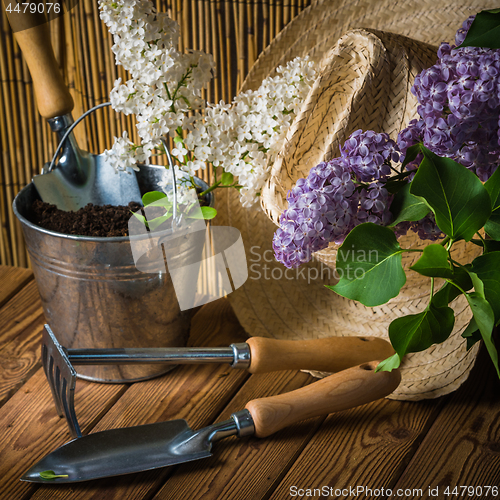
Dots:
pixel 79 177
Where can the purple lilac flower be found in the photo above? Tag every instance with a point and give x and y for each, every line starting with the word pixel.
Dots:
pixel 462 32
pixel 366 153
pixel 459 107
pixel 427 228
pixel 335 197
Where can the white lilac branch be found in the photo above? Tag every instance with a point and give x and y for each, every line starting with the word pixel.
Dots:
pixel 164 93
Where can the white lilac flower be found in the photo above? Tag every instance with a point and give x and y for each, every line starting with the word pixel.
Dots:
pixel 122 155
pixel 184 190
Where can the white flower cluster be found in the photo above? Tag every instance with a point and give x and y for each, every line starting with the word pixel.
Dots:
pixel 185 192
pixel 245 137
pixel 123 154
pixel 165 83
pixel 165 88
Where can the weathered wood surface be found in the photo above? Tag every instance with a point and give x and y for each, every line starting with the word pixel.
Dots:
pixel 462 447
pixel 244 468
pixel 197 393
pixel 12 279
pixel 451 441
pixel 21 320
pixel 367 446
pixel 30 427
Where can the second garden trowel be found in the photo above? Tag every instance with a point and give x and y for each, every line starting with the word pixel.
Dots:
pixel 135 449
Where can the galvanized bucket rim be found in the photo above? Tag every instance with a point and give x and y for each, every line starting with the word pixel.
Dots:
pixel 110 239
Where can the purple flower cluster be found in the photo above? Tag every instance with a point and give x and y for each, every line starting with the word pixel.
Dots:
pixel 335 197
pixel 462 32
pixel 459 107
pixel 426 228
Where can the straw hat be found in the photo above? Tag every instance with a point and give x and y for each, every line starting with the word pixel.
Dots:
pixel 366 71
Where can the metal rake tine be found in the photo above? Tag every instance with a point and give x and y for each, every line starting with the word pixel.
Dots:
pixel 67 398
pixel 48 367
pixel 62 379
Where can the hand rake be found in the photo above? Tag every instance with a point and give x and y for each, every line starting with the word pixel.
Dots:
pixel 257 355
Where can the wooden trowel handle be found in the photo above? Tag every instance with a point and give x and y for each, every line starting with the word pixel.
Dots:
pixel 331 354
pixel 52 95
pixel 352 387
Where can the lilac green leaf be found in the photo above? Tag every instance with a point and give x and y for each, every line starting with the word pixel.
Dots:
pixel 460 202
pixel 472 333
pixel 50 475
pixel 417 332
pixel 449 291
pixel 152 197
pixel 434 262
pixel 369 263
pixel 389 364
pixel 407 207
pixel 492 185
pixel 485 31
pixel 227 179
pixel 485 320
pixel 487 269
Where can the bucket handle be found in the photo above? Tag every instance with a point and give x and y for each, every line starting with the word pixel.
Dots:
pixel 174 185
pixel 70 129
pixel 175 220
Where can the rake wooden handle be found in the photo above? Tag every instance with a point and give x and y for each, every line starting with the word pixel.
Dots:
pixel 352 387
pixel 331 354
pixel 52 95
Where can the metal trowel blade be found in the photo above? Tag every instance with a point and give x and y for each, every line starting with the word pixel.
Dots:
pixel 123 451
pixel 101 185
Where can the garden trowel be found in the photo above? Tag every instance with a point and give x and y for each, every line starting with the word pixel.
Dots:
pixel 135 449
pixel 79 177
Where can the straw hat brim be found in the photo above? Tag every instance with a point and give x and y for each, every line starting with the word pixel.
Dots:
pixel 295 304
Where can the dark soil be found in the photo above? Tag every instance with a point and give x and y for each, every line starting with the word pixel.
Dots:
pixel 91 220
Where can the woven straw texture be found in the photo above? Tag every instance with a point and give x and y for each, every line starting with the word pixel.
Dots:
pixel 282 303
pixel 235 33
pixel 364 83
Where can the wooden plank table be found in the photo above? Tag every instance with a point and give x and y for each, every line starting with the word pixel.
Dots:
pixel 408 448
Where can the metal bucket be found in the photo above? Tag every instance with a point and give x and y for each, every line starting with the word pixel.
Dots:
pixel 94 296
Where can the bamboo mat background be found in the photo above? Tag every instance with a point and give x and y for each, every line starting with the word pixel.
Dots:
pixel 234 32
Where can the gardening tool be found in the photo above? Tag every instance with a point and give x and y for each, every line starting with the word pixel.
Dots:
pixel 134 449
pixel 79 177
pixel 257 355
